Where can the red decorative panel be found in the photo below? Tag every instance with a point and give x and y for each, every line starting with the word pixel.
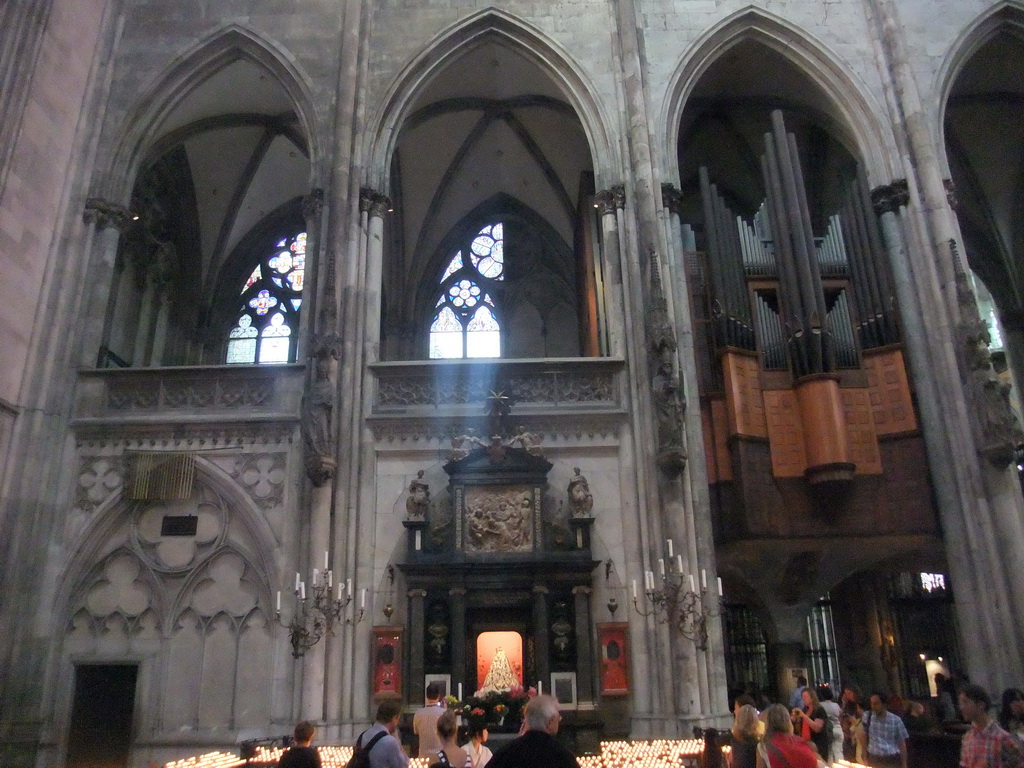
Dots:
pixel 387 662
pixel 891 405
pixel 860 430
pixel 742 375
pixel 715 423
pixel 614 641
pixel 785 433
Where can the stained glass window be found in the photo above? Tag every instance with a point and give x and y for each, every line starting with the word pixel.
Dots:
pixel 466 316
pixel 269 311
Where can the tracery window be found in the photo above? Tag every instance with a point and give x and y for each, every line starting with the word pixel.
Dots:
pixel 271 298
pixel 466 318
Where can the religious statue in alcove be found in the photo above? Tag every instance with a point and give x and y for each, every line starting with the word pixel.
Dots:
pixel 581 500
pixel 418 502
pixel 500 677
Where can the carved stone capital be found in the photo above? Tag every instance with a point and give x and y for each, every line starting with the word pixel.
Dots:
pixel 374 203
pixel 671 198
pixel 608 200
pixel 891 197
pixel 105 214
pixel 313 204
pixel 950 188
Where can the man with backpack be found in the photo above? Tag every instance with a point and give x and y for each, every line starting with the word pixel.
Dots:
pixel 377 746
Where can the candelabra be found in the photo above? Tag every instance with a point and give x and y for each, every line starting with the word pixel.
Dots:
pixel 678 602
pixel 317 612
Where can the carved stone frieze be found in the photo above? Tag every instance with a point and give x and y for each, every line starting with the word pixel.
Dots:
pixel 175 393
pixel 199 438
pixel 551 388
pixel 564 428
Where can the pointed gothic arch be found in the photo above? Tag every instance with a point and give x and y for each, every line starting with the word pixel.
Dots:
pixel 384 127
pixel 858 118
pixel 1004 16
pixel 187 71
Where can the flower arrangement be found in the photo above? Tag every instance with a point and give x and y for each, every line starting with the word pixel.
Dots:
pixel 500 710
pixel 450 701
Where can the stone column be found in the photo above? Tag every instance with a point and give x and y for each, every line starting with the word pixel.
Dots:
pixel 377 205
pixel 106 221
pixel 457 597
pixel 417 629
pixel 540 637
pixel 585 661
pixel 609 203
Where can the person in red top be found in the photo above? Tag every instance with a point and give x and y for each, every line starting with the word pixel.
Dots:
pixel 986 745
pixel 779 747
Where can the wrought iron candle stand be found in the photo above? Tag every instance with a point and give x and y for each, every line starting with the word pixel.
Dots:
pixel 678 603
pixel 316 613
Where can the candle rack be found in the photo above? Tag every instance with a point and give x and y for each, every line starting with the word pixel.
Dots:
pixel 316 613
pixel 678 603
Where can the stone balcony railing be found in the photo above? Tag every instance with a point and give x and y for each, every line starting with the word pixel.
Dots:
pixel 536 388
pixel 189 395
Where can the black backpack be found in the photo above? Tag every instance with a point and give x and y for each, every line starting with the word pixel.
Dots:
pixel 361 755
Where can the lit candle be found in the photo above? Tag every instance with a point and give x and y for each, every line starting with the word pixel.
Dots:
pixel 330 578
pixel 679 564
pixel 339 589
pixel 348 587
pixel 315 574
pixel 302 590
pixel 540 688
pixel 661 566
pixel 719 586
pixel 634 590
pixel 671 553
pixel 297 579
pixel 279 601
pixel 460 691
pixel 703 579
pixel 693 587
pixel 362 598
pixel 327 563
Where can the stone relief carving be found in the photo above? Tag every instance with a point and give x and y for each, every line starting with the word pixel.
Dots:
pixel 581 500
pixel 499 519
pixel 553 388
pixel 98 480
pixel 418 502
pixel 225 588
pixel 669 403
pixel 175 393
pixel 998 431
pixel 263 476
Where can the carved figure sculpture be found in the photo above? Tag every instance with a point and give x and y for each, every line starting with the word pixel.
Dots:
pixel 581 500
pixel 668 408
pixel 318 422
pixel 418 501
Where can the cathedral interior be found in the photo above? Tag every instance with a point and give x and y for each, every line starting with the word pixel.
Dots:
pixel 636 351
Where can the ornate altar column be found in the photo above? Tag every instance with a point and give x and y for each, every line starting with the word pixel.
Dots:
pixel 457 597
pixel 584 648
pixel 541 631
pixel 417 628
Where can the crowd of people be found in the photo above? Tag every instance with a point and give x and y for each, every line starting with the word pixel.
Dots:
pixel 814 730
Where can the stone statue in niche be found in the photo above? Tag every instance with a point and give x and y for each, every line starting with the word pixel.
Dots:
pixel 581 500
pixel 318 419
pixel 418 501
pixel 499 519
pixel 668 407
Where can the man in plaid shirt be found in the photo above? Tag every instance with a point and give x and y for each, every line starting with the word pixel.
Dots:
pixel 884 735
pixel 986 745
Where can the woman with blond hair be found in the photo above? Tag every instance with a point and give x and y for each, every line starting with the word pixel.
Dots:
pixel 744 738
pixel 779 748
